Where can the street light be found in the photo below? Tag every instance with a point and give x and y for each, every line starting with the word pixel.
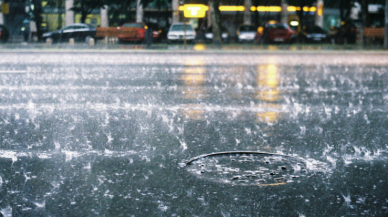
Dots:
pixel 192 11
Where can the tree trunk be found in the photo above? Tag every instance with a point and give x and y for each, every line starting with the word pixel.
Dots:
pixel 301 24
pixel 37 17
pixel 84 14
pixel 166 16
pixel 386 25
pixel 343 7
pixel 59 7
pixel 284 12
pixel 216 21
pixel 364 15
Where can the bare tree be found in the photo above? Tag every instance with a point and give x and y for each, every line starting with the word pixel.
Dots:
pixel 216 21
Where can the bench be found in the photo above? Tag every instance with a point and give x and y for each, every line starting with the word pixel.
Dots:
pixel 374 33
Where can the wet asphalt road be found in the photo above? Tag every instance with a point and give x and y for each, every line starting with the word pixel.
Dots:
pixel 108 133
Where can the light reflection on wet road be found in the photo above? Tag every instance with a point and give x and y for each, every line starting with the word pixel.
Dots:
pixel 104 134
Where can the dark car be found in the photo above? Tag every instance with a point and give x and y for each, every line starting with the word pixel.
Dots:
pixel 314 34
pixel 347 33
pixel 157 32
pixel 4 34
pixel 79 31
pixel 224 34
pixel 276 33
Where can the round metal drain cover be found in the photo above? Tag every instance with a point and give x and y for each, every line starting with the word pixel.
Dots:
pixel 251 168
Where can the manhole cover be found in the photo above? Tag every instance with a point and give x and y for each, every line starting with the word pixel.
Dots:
pixel 252 168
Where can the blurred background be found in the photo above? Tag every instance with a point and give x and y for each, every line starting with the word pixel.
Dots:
pixel 267 21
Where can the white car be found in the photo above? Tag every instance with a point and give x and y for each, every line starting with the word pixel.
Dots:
pixel 176 33
pixel 246 33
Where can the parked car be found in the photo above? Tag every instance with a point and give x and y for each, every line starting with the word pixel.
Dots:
pixel 314 34
pixel 347 33
pixel 136 32
pixel 276 33
pixel 176 33
pixel 224 34
pixel 4 34
pixel 78 31
pixel 157 32
pixel 246 33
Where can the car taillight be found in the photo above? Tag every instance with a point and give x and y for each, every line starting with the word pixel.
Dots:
pixel 140 32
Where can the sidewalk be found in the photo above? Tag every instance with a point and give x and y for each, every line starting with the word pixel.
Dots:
pixel 190 48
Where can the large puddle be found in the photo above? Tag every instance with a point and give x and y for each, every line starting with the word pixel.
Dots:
pixel 253 168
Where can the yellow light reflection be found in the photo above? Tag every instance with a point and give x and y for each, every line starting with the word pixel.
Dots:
pixel 193 112
pixel 199 47
pixel 197 61
pixel 271 115
pixel 267 76
pixel 193 77
pixel 231 8
pixel 193 80
pixel 192 93
pixel 267 82
pixel 196 10
pixel 268 95
pixel 269 8
pixel 320 10
pixel 306 9
pixel 274 184
pixel 272 47
pixel 291 8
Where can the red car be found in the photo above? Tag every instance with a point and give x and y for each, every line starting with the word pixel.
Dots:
pixel 132 32
pixel 276 33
